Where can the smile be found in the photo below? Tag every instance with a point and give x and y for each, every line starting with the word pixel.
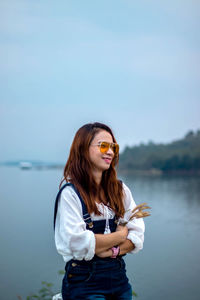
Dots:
pixel 107 160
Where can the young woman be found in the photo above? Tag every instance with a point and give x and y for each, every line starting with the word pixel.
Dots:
pixel 89 209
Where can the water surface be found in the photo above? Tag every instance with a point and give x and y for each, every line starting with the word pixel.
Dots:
pixel 167 268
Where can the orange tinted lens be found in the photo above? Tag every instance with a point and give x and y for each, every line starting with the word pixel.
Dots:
pixel 104 147
pixel 115 148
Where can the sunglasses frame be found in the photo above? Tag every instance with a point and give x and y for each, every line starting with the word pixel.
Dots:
pixel 111 146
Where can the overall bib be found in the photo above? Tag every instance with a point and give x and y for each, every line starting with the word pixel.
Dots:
pixel 98 278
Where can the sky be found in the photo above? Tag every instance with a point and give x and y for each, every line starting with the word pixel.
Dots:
pixel 133 65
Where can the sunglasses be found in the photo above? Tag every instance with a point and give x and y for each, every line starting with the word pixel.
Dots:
pixel 105 146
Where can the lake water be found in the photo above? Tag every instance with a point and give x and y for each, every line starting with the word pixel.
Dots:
pixel 167 268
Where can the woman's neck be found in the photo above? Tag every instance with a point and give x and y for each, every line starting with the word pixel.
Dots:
pixel 97 176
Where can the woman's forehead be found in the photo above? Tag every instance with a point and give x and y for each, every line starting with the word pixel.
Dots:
pixel 103 136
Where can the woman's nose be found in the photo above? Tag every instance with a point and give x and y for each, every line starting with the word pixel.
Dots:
pixel 110 151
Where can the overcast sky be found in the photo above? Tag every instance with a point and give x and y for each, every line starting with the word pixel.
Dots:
pixel 133 65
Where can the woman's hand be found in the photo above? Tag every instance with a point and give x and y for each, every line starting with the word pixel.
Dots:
pixel 123 231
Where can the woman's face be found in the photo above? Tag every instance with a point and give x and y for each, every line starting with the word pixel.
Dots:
pixel 100 161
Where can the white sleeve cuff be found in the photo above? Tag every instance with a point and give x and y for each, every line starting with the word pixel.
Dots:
pixel 82 245
pixel 91 249
pixel 138 243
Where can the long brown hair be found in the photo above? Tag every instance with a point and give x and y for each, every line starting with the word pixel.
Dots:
pixel 78 171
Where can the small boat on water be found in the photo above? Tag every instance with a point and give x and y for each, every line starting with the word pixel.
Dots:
pixel 25 165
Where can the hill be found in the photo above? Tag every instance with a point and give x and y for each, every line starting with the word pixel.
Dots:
pixel 181 156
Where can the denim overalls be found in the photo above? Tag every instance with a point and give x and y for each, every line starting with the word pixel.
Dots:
pixel 98 278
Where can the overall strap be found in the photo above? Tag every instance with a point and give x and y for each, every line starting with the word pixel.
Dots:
pixel 86 215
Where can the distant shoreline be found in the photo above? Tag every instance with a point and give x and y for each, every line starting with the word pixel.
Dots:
pixel 123 172
pixel 157 172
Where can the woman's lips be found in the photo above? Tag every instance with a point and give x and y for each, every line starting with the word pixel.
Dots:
pixel 107 160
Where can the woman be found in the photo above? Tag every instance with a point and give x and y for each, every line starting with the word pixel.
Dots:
pixel 88 212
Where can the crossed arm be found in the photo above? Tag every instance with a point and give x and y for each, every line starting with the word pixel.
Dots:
pixel 104 242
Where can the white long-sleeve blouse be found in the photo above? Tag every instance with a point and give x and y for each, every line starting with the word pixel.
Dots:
pixel 74 241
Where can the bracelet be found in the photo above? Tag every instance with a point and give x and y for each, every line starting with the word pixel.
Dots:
pixel 115 251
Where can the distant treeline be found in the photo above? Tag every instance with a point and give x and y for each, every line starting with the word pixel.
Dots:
pixel 179 156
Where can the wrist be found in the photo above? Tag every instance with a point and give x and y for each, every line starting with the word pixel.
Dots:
pixel 122 236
